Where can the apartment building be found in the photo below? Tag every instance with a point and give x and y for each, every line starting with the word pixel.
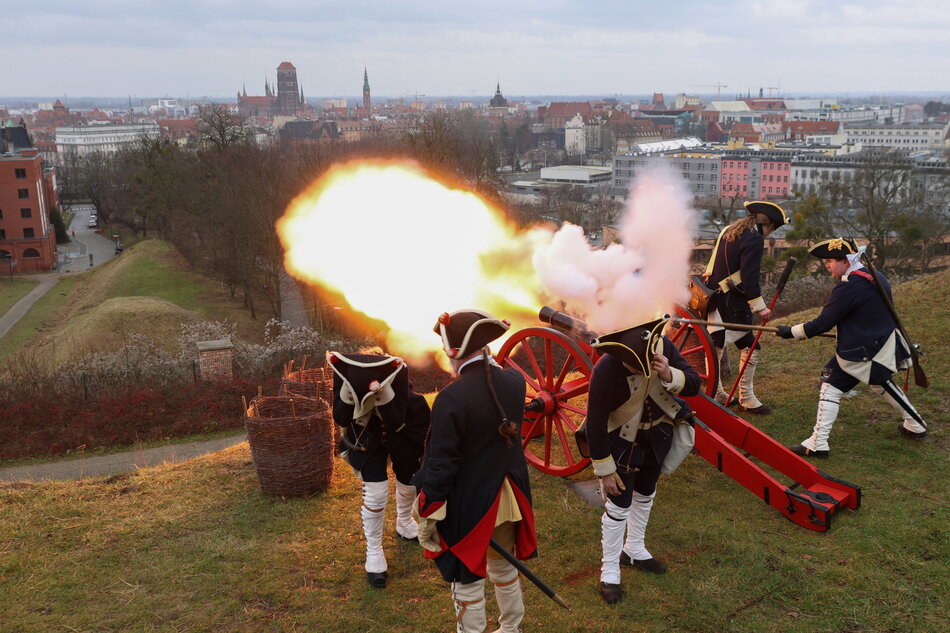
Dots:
pixel 108 139
pixel 27 193
pixel 910 137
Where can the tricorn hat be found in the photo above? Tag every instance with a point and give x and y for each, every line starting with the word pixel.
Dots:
pixel 467 331
pixel 635 345
pixel 772 211
pixel 366 381
pixel 835 248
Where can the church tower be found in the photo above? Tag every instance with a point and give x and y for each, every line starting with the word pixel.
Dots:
pixel 288 93
pixel 367 104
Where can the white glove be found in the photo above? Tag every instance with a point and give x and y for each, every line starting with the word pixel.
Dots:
pixel 428 526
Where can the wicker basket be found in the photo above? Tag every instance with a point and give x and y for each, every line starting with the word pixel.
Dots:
pixel 291 444
pixel 309 383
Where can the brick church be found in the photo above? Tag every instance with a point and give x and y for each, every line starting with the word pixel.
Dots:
pixel 285 100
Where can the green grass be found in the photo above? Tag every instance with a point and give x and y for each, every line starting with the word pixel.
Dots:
pixel 197 547
pixel 158 271
pixel 150 268
pixel 12 292
pixel 38 318
pixel 148 277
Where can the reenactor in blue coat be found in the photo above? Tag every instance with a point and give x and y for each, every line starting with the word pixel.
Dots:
pixel 870 347
pixel 633 404
pixel 734 270
pixel 473 483
pixel 384 422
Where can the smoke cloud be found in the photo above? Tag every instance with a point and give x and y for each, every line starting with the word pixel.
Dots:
pixel 632 282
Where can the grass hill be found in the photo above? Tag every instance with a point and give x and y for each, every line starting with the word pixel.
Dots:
pixel 197 547
pixel 147 290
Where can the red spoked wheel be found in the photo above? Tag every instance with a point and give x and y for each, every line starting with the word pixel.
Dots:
pixel 557 372
pixel 697 348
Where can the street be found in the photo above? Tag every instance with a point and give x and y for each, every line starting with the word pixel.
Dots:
pixel 101 248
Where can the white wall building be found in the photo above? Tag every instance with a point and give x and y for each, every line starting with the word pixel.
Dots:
pixel 700 169
pixel 735 112
pixel 683 100
pixel 828 110
pixel 575 139
pixel 904 136
pixel 86 139
pixel 584 175
pixel 811 171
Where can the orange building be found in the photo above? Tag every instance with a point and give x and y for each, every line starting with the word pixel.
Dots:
pixel 27 193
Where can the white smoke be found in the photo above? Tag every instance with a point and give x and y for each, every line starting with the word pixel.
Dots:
pixel 629 283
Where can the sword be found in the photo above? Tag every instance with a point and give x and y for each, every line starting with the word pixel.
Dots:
pixel 737 326
pixel 527 573
pixel 900 398
pixel 920 378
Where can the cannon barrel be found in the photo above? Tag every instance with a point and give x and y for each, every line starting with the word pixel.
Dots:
pixel 566 323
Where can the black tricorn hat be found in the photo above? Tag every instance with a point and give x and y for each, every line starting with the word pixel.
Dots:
pixel 466 331
pixel 635 345
pixel 772 211
pixel 367 380
pixel 835 248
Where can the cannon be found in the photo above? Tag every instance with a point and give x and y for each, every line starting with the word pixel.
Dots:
pixel 557 362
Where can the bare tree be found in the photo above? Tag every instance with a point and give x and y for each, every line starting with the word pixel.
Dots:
pixel 219 127
pixel 887 203
pixel 98 177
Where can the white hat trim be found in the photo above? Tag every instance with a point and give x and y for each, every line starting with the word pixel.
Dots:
pixel 468 334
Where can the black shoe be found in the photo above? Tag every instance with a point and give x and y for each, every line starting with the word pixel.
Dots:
pixel 377 580
pixel 762 409
pixel 911 434
pixel 800 450
pixel 649 565
pixel 611 594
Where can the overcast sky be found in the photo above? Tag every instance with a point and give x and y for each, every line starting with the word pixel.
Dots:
pixel 198 48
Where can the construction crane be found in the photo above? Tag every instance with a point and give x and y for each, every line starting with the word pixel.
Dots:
pixel 416 104
pixel 771 88
pixel 718 87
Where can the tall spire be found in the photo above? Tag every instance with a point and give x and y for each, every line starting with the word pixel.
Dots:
pixel 367 102
pixel 266 87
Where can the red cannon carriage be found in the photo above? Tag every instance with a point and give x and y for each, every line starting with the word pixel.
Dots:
pixel 557 362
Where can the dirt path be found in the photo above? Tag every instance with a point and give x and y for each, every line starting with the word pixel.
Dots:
pixel 116 462
pixel 21 307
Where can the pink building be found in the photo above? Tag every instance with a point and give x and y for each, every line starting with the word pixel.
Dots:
pixel 735 178
pixel 773 179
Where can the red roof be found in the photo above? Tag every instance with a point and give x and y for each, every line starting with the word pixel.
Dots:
pixel 286 66
pixel 258 101
pixel 742 128
pixel 184 125
pixel 765 104
pixel 568 108
pixel 619 116
pixel 813 127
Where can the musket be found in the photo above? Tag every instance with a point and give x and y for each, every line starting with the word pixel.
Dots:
pixel 778 290
pixel 920 378
pixel 527 573
pixel 737 326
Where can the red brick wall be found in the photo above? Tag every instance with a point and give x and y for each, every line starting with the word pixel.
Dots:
pixel 216 364
pixel 37 253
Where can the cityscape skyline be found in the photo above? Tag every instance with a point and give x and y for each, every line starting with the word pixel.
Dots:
pixel 214 49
